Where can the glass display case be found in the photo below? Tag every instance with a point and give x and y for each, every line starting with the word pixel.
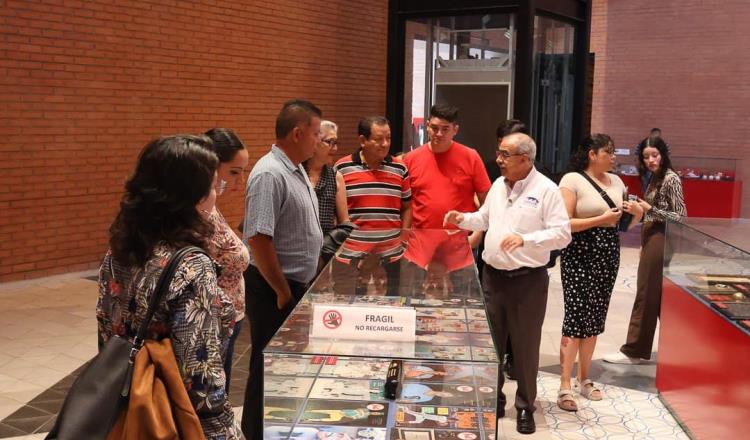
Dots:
pixel 709 185
pixel 710 261
pixel 437 380
pixel 704 337
pixel 688 167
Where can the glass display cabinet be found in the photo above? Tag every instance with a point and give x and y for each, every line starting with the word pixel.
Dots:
pixel 710 185
pixel 703 366
pixel 391 341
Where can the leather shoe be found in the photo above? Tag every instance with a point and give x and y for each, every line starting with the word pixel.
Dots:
pixel 525 422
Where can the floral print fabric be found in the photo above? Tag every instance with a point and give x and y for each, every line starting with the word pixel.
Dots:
pixel 233 258
pixel 195 314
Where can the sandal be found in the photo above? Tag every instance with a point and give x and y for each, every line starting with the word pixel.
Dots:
pixel 565 400
pixel 590 391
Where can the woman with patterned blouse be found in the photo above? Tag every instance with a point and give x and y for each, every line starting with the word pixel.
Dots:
pixel 225 246
pixel 662 202
pixel 160 212
pixel 329 185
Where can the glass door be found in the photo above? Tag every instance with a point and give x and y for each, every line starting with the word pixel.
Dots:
pixel 466 61
pixel 553 93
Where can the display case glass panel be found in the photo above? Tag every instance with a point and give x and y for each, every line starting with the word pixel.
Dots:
pixel 324 387
pixel 709 258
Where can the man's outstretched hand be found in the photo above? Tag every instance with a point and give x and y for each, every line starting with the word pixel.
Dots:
pixel 452 218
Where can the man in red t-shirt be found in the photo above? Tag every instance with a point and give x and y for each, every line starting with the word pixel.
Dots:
pixel 445 175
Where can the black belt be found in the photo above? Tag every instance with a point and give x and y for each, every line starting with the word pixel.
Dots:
pixel 513 273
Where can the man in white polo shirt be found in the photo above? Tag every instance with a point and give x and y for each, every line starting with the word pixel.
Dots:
pixel 525 218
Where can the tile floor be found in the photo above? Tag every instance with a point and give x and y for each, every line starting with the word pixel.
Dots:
pixel 48 332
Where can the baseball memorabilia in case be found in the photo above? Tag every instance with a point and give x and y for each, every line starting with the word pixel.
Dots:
pixel 354 368
pixel 344 412
pixel 348 389
pixel 434 434
pixel 401 351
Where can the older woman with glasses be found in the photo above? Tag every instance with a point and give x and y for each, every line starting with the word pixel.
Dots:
pixel 328 184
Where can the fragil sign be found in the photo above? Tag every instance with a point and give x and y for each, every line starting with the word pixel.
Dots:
pixel 364 322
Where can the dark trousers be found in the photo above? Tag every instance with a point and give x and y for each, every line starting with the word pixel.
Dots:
pixel 230 352
pixel 480 268
pixel 265 319
pixel 516 304
pixel 647 303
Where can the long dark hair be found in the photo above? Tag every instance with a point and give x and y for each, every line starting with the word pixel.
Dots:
pixel 666 163
pixel 172 175
pixel 226 143
pixel 579 161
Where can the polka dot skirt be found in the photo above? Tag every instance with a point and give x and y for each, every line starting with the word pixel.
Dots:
pixel 589 268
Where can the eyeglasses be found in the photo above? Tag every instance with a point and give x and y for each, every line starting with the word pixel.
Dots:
pixel 221 187
pixel 505 154
pixel 331 142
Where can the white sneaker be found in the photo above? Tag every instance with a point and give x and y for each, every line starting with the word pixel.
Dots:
pixel 620 358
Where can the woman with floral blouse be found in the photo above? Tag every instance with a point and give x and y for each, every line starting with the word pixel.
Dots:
pixel 160 213
pixel 225 246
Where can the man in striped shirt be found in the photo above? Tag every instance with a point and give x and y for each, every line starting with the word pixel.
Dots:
pixel 378 192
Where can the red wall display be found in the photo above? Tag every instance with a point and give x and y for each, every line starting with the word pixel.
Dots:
pixel 703 198
pixel 703 367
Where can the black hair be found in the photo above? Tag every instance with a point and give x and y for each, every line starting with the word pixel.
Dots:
pixel 656 129
pixel 294 113
pixel 172 175
pixel 579 161
pixel 444 111
pixel 225 143
pixel 364 127
pixel 666 162
pixel 510 126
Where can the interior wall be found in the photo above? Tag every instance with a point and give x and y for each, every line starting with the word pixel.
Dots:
pixel 85 85
pixel 678 65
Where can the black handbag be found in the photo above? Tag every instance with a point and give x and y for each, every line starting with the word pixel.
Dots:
pixel 101 391
pixel 626 217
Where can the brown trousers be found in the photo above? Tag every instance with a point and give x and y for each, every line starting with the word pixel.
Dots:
pixel 647 303
pixel 516 305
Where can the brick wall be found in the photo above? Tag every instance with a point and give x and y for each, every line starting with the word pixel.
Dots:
pixel 84 85
pixel 681 65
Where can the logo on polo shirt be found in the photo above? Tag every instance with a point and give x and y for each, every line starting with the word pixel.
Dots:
pixel 531 201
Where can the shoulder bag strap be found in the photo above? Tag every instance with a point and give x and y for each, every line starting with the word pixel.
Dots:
pixel 161 289
pixel 162 285
pixel 601 192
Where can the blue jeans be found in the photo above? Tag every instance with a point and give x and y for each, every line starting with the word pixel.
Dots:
pixel 230 352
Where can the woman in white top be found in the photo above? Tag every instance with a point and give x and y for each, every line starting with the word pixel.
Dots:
pixel 590 263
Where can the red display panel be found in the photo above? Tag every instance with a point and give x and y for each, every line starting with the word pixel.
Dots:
pixel 703 367
pixel 703 198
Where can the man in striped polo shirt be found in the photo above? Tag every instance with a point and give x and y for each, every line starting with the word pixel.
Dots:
pixel 378 192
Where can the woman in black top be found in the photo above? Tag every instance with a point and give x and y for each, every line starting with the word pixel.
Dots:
pixel 328 184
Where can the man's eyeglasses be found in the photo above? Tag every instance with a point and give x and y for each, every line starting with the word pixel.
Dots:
pixel 505 154
pixel 331 142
